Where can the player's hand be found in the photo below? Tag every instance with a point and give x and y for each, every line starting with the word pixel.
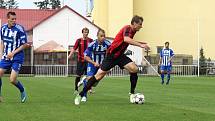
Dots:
pixel 10 55
pixel 28 44
pixel 96 64
pixel 144 46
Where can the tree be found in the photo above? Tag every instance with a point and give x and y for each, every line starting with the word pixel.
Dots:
pixel 2 4
pixel 48 4
pixel 10 4
pixel 55 4
pixel 202 62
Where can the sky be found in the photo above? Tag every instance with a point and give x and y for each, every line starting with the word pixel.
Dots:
pixel 77 5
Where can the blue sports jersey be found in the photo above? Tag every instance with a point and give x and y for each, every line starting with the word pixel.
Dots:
pixel 97 51
pixel 12 39
pixel 165 54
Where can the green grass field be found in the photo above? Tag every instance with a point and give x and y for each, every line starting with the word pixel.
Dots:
pixel 52 99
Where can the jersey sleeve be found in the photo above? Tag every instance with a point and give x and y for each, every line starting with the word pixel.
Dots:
pixel 23 36
pixel 171 53
pixel 76 44
pixel 1 34
pixel 126 32
pixel 89 50
pixel 161 53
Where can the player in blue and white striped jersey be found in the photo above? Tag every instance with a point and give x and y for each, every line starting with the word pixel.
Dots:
pixel 13 41
pixel 165 62
pixel 94 55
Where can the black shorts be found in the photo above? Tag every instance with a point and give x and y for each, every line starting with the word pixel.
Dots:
pixel 81 68
pixel 109 62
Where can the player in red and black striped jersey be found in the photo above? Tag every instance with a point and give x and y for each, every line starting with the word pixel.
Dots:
pixel 81 44
pixel 115 56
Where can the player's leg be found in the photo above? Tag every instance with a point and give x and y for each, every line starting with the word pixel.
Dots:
pixel 162 69
pixel 1 74
pixel 79 72
pixel 4 65
pixel 169 70
pixel 128 64
pixel 106 65
pixel 13 79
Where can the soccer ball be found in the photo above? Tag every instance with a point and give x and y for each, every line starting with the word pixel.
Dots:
pixel 139 98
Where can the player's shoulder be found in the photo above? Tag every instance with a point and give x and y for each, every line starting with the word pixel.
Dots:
pixel 92 43
pixel 107 42
pixel 4 25
pixel 20 27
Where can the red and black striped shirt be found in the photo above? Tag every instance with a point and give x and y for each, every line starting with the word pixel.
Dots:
pixel 81 45
pixel 118 46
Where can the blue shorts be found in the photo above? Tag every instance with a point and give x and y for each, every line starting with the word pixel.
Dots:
pixel 91 70
pixel 11 64
pixel 166 68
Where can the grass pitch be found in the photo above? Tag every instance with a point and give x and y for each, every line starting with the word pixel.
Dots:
pixel 52 99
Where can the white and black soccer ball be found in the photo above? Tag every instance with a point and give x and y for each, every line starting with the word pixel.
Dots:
pixel 139 98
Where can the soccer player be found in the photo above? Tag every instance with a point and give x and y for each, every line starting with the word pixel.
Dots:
pixel 115 56
pixel 94 55
pixel 81 44
pixel 165 62
pixel 13 41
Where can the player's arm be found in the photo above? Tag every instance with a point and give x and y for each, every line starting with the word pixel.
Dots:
pixel 171 56
pixel 159 63
pixel 129 40
pixel 73 49
pixel 1 48
pixel 87 55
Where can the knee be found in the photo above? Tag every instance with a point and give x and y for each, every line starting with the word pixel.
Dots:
pixel 12 80
pixel 134 69
pixel 100 75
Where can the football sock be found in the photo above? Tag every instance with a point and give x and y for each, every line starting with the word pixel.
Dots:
pixel 133 80
pixel 77 79
pixel 85 84
pixel 19 86
pixel 162 76
pixel 168 77
pixel 90 83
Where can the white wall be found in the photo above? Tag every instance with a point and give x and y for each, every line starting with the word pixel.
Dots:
pixel 64 27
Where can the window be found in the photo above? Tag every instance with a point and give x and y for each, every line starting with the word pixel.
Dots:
pixel 159 48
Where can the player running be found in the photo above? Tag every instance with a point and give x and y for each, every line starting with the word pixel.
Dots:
pixel 115 56
pixel 13 41
pixel 165 62
pixel 94 55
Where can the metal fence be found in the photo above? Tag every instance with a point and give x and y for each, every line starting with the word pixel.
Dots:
pixel 65 70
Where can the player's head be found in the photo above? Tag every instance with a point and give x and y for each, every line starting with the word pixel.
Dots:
pixel 85 32
pixel 101 35
pixel 137 22
pixel 11 17
pixel 167 45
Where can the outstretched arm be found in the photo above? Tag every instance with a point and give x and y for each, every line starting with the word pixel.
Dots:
pixel 135 43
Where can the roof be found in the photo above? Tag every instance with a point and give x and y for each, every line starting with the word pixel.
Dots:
pixel 30 18
pixel 50 46
pixel 27 17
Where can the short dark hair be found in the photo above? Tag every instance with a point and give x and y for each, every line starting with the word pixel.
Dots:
pixel 136 19
pixel 166 43
pixel 85 29
pixel 100 30
pixel 10 13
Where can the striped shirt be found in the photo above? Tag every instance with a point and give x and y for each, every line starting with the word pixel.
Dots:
pixel 166 54
pixel 81 45
pixel 97 51
pixel 12 39
pixel 118 46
